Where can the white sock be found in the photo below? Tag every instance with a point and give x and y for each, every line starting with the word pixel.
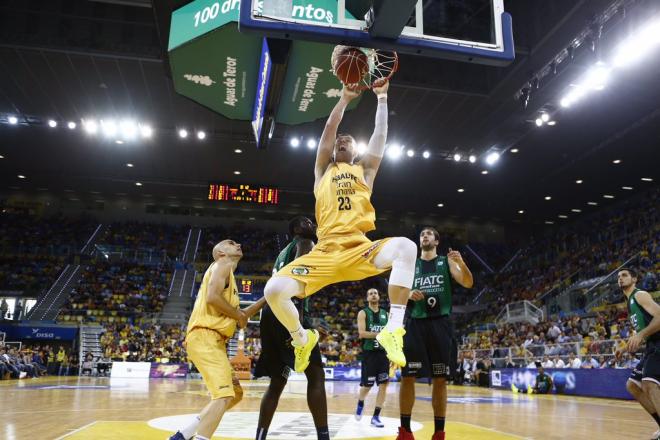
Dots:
pixel 299 336
pixel 189 431
pixel 395 319
pixel 200 437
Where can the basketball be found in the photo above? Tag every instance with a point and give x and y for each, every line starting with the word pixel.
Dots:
pixel 350 65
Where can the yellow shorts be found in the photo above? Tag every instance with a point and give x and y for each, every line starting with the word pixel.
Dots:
pixel 208 351
pixel 334 260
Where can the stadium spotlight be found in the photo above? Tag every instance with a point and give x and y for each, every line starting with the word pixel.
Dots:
pixel 128 128
pixel 362 148
pixel 514 150
pixel 552 123
pixel 440 205
pixel 638 45
pixel 492 158
pixel 13 120
pixel 548 197
pixel 71 125
pixel 484 172
pixel 539 122
pixel 647 179
pixel 146 131
pixel 426 154
pixel 295 142
pixel 201 135
pixel 138 184
pixel 597 76
pixel 411 153
pixel 91 127
pixel 460 190
pixel 311 144
pixel 109 127
pixel 457 157
pixel 545 117
pixel 52 123
pixel 20 176
pixel 183 133
pixel 472 158
pixel 394 151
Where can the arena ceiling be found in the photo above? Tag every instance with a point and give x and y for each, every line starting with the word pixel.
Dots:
pixel 72 59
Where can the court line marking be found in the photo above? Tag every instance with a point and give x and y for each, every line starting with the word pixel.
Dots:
pixel 77 430
pixel 492 430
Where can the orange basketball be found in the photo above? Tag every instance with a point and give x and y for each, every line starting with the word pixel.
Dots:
pixel 351 65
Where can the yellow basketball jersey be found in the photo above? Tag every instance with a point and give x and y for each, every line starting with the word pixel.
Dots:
pixel 343 205
pixel 206 316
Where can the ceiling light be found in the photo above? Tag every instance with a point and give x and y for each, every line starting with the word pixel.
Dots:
pixel 129 165
pixel 576 210
pixel 146 131
pixel 440 205
pixel 109 127
pixel 616 161
pixel 128 128
pixel 484 172
pixel 548 197
pixel 362 148
pixel 13 120
pixel 295 142
pixel 562 216
pixel 552 123
pixel 629 188
pixel 71 125
pixel 539 122
pixel 183 133
pixel 238 151
pixel 472 158
pixel 637 45
pixel 565 102
pixel 119 141
pixel 521 212
pixel 457 157
pixel 138 184
pixel 201 135
pixel 492 158
pixel 592 203
pixel 514 150
pixel 545 117
pixel 647 179
pixel 394 152
pixel 237 172
pixel 426 154
pixel 52 123
pixel 1 156
pixel 311 144
pixel 20 176
pixel 608 196
pixel 597 77
pixel 411 153
pixel 548 222
pixel 90 126
pixel 579 181
pixel 460 190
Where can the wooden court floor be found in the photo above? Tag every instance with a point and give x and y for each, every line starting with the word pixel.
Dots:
pixel 100 408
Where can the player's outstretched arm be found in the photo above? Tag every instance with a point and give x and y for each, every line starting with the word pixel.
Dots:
pixel 254 307
pixel 376 149
pixel 327 142
pixel 648 303
pixel 459 270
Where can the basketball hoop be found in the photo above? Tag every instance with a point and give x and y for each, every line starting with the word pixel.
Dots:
pixel 363 68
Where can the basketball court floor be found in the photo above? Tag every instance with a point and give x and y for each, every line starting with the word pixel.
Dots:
pixel 101 408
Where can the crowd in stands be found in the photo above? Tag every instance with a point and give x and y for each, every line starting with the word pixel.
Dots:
pixel 27 361
pixel 170 240
pixel 144 342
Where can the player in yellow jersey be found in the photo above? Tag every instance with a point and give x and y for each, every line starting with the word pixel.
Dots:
pixel 212 323
pixel 344 214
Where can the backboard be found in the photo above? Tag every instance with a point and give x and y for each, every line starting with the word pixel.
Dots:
pixel 478 31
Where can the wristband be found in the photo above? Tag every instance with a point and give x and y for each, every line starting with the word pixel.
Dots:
pixel 382 95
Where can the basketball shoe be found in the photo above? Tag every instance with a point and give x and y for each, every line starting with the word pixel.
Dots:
pixel 303 352
pixel 392 342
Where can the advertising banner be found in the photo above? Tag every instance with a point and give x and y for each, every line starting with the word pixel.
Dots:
pixel 171 371
pixel 606 382
pixel 54 333
pixel 261 96
pixel 130 370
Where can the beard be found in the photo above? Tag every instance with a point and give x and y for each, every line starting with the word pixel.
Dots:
pixel 428 247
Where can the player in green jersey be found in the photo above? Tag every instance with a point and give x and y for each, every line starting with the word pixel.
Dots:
pixel 375 365
pixel 276 359
pixel 644 315
pixel 429 341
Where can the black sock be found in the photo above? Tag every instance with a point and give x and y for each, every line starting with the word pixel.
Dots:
pixel 656 418
pixel 360 403
pixel 439 424
pixel 261 433
pixel 376 412
pixel 322 433
pixel 405 422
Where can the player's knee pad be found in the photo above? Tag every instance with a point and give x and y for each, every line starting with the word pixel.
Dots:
pixel 280 288
pixel 403 263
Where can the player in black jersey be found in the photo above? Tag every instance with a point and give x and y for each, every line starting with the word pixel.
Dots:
pixel 277 358
pixel 429 343
pixel 375 365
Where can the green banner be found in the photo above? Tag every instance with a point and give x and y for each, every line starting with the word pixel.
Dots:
pixel 200 17
pixel 219 71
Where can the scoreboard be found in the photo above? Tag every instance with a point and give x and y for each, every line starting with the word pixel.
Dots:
pixel 226 192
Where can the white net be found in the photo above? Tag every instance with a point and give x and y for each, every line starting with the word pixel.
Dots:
pixel 382 64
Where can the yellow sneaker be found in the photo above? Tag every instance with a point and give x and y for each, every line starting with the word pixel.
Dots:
pixel 392 342
pixel 303 352
pixel 514 388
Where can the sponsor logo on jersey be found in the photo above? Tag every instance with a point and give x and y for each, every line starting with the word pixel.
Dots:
pixel 299 271
pixel 371 249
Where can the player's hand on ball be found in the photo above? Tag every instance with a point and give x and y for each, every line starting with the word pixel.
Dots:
pixel 454 256
pixel 416 295
pixel 634 342
pixel 381 86
pixel 242 319
pixel 350 92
